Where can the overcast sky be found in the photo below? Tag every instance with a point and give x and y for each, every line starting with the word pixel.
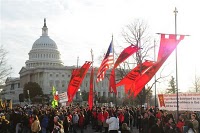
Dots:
pixel 77 26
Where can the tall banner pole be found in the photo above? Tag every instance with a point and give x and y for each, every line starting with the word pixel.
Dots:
pixel 94 95
pixel 175 13
pixel 155 73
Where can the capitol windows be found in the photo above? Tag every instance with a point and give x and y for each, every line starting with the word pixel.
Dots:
pixel 86 84
pixel 99 93
pixel 108 94
pixel 12 87
pixel 104 94
pixel 51 83
pixel 50 75
pixel 56 75
pixel 57 83
pixel 63 75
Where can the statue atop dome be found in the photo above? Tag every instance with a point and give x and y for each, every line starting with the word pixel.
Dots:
pixel 45 22
pixel 45 29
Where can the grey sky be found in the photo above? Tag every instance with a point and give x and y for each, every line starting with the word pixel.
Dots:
pixel 79 25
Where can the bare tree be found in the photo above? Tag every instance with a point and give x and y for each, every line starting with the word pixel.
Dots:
pixel 136 33
pixel 4 69
pixel 196 84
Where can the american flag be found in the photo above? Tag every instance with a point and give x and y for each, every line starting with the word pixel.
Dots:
pixel 107 62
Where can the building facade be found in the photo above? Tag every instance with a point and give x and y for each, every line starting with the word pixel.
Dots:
pixel 45 67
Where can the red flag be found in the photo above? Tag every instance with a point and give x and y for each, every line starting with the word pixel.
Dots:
pixel 77 80
pixel 134 73
pixel 90 96
pixel 122 57
pixel 127 87
pixel 167 46
pixel 107 62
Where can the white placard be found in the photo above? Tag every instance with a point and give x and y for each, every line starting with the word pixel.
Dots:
pixel 63 97
pixel 186 101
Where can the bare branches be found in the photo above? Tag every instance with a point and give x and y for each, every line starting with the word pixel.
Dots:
pixel 4 69
pixel 196 84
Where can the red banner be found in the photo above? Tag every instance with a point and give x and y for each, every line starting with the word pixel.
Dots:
pixel 167 46
pixel 122 57
pixel 161 100
pixel 77 80
pixel 90 96
pixel 134 73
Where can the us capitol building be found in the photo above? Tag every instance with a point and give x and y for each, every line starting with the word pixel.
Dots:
pixel 45 67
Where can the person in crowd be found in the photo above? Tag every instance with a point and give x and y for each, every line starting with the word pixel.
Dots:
pixel 195 123
pixel 58 126
pixel 126 116
pixel 191 128
pixel 121 118
pixel 131 112
pixel 156 128
pixel 185 127
pixel 158 113
pixel 180 124
pixel 44 122
pixel 125 128
pixel 113 123
pixel 81 121
pixel 138 119
pixel 151 118
pixel 100 119
pixel 25 123
pixel 31 120
pixel 145 123
pixel 4 124
pixel 164 118
pixel 66 124
pixel 94 118
pixel 170 126
pixel 105 115
pixel 75 119
pixel 35 126
pixel 70 120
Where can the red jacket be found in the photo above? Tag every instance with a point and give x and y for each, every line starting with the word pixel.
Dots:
pixel 180 125
pixel 121 117
pixel 100 116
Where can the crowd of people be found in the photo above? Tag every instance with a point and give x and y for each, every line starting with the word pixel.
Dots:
pixel 74 119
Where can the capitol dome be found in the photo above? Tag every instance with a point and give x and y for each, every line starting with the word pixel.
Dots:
pixel 44 51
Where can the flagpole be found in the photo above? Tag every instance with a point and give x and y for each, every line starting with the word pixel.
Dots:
pixel 175 13
pixel 77 60
pixel 92 55
pixel 155 73
pixel 114 70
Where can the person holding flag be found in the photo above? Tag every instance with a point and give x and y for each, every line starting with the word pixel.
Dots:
pixel 54 102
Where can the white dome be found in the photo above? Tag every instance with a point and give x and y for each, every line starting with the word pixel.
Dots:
pixel 44 51
pixel 44 42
